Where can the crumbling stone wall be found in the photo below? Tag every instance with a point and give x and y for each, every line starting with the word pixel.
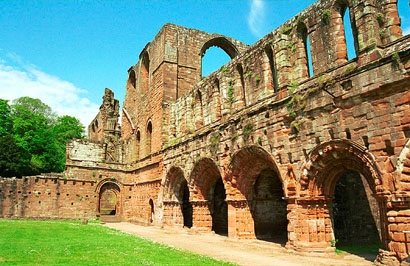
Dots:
pixel 269 132
pixel 47 197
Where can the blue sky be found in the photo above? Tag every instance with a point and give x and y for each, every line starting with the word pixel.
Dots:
pixel 67 52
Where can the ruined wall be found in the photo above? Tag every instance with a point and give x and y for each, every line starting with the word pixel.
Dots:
pixel 269 132
pixel 48 197
pixel 168 68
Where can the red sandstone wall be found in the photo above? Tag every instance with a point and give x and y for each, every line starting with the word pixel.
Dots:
pixel 48 197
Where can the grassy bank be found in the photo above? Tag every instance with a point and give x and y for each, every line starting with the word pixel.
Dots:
pixel 25 242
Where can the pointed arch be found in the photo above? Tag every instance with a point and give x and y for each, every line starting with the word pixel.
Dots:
pixel 273 78
pixel 132 80
pixel 305 45
pixel 221 42
pixel 137 144
pixel 149 138
pixel 144 71
pixel 198 112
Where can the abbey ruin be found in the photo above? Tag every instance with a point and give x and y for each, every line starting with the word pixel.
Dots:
pixel 291 141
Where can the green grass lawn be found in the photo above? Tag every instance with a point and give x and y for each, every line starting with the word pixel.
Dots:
pixel 25 242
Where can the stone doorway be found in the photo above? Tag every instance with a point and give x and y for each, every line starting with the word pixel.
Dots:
pixel 354 211
pixel 219 209
pixel 109 205
pixel 268 208
pixel 186 204
pixel 151 212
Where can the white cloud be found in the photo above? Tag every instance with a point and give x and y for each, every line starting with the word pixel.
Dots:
pixel 406 31
pixel 256 18
pixel 19 79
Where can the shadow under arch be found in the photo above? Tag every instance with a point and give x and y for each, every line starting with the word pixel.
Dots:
pixel 345 176
pixel 256 179
pixel 177 207
pixel 209 197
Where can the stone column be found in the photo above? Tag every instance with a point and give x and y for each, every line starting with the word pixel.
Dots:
pixel 201 215
pixel 240 220
pixel 172 213
pixel 398 229
pixel 310 227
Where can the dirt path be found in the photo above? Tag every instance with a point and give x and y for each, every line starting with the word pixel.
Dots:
pixel 242 252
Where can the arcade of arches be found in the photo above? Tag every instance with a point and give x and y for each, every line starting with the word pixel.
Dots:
pixel 292 141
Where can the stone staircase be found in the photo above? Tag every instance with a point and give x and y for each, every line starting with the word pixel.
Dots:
pixel 110 219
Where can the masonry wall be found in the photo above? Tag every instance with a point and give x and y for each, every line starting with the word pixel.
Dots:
pixel 279 132
pixel 48 197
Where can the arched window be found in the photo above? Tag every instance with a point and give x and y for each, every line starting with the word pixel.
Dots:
pixel 132 79
pixel 223 51
pixel 149 137
pixel 144 72
pixel 214 58
pixel 239 68
pixel 272 66
pixel 198 112
pixel 303 33
pixel 349 33
pixel 137 144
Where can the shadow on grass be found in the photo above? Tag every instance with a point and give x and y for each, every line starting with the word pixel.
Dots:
pixel 366 251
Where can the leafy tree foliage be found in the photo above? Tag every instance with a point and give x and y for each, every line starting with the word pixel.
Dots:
pixel 33 138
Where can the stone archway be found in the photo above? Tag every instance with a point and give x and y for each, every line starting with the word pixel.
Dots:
pixel 353 218
pixel 208 196
pixel 256 196
pixel 109 201
pixel 331 166
pixel 268 207
pixel 177 207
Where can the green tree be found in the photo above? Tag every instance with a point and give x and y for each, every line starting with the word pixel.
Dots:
pixel 6 123
pixel 14 160
pixel 38 137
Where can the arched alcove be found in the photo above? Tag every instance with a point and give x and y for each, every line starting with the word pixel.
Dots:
pixel 209 206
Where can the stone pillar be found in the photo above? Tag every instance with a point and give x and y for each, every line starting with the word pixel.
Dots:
pixel 172 214
pixel 310 227
pixel 391 20
pixel 201 215
pixel 240 220
pixel 397 218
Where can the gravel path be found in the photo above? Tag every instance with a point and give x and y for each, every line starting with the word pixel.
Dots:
pixel 242 252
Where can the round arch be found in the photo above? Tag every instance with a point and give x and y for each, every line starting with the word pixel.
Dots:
pixel 329 160
pixel 245 167
pixel 173 183
pixel 109 197
pixel 342 177
pixel 256 181
pixel 209 196
pixel 203 178
pixel 175 194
